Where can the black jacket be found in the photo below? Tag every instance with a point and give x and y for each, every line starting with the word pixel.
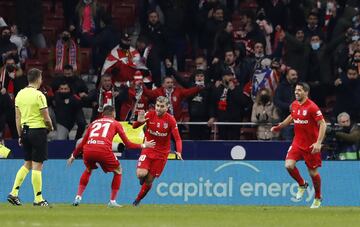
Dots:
pixel 235 104
pixel 66 108
pixel 284 96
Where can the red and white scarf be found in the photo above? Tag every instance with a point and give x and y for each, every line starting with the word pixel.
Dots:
pixel 106 98
pixel 60 55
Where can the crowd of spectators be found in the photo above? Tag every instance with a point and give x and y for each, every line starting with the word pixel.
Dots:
pixel 217 60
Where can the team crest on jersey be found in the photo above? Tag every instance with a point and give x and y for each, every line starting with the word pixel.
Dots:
pixel 166 125
pixel 304 112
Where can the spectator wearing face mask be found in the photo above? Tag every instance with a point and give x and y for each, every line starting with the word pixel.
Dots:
pixel 66 104
pixel 264 113
pixel 11 81
pixel 65 53
pixel 348 93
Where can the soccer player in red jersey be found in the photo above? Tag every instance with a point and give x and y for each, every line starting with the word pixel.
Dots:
pixel 96 147
pixel 309 128
pixel 160 125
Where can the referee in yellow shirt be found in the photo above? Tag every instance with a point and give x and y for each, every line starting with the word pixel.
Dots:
pixel 33 123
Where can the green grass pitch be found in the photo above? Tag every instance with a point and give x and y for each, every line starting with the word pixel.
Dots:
pixel 176 215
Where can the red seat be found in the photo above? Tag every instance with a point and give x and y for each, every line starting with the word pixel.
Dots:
pixel 50 35
pixel 85 57
pixel 53 21
pixel 7 11
pixel 123 15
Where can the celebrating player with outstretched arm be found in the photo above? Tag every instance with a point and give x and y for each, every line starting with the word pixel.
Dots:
pixel 309 128
pixel 96 147
pixel 160 125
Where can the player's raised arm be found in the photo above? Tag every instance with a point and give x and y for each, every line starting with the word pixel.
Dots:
pixel 282 124
pixel 130 144
pixel 141 119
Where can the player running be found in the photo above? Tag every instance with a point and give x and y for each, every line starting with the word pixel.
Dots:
pixel 96 147
pixel 160 125
pixel 309 128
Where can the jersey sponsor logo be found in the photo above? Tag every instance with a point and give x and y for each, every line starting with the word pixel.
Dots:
pixel 92 141
pixel 157 133
pixel 301 122
pixel 98 142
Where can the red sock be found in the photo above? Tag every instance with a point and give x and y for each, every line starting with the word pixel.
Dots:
pixel 84 180
pixel 115 186
pixel 317 185
pixel 144 190
pixel 294 173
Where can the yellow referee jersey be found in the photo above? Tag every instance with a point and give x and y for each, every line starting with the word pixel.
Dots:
pixel 30 101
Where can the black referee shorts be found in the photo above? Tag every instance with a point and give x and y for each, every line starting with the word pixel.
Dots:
pixel 35 145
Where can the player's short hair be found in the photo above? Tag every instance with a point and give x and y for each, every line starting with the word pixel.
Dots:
pixel 108 110
pixel 163 99
pixel 33 75
pixel 304 85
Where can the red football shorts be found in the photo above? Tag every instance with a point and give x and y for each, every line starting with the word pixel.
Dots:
pixel 107 161
pixel 312 161
pixel 155 166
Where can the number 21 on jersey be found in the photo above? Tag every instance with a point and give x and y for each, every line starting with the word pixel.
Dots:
pixel 99 128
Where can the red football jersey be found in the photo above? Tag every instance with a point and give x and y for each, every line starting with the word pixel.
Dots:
pixel 160 129
pixel 99 136
pixel 305 119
